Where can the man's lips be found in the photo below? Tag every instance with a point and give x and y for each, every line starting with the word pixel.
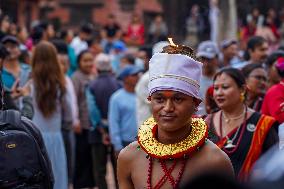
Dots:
pixel 167 117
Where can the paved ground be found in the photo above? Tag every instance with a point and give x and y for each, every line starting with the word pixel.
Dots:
pixel 110 176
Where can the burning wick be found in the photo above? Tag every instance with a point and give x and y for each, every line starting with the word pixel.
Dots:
pixel 171 42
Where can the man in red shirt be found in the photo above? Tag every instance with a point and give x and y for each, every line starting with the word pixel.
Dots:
pixel 273 103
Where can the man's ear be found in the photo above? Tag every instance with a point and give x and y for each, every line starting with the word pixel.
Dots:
pixel 196 102
pixel 250 51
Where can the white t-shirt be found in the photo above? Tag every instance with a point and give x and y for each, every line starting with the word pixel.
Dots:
pixel 78 45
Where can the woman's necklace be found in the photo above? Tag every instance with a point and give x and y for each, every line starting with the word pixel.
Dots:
pixel 228 120
pixel 230 142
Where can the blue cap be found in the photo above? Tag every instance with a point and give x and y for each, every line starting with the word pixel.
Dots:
pixel 128 70
pixel 119 45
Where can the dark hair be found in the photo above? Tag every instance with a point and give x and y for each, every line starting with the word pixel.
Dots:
pixel 130 58
pixel 44 24
pixel 280 72
pixel 37 34
pixel 234 73
pixel 147 49
pixel 24 55
pixel 63 34
pixel 273 57
pixel 3 54
pixel 81 55
pixel 19 29
pixel 87 28
pixel 60 46
pixel 255 41
pixel 252 43
pixel 3 51
pixel 249 68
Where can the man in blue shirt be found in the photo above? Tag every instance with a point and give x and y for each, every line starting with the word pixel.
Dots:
pixel 122 109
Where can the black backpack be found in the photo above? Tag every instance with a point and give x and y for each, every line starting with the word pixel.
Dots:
pixel 24 163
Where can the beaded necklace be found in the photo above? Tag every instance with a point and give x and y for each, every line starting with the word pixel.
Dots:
pixel 230 142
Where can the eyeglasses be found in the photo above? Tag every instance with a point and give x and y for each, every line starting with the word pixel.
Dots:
pixel 259 77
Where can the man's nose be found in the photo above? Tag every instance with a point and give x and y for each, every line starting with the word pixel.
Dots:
pixel 169 106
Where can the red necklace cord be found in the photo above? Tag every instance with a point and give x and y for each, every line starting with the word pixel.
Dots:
pixel 149 186
pixel 240 137
pixel 169 176
pixel 174 183
pixel 162 180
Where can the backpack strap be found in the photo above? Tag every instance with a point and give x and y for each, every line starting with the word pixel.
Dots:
pixel 12 117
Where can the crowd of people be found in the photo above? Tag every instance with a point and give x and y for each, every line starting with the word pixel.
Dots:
pixel 88 94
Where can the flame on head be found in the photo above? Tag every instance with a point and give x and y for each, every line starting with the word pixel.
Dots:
pixel 171 42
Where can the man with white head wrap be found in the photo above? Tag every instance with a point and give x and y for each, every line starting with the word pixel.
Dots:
pixel 171 147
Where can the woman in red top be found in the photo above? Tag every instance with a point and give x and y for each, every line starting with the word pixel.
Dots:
pixel 135 32
pixel 273 103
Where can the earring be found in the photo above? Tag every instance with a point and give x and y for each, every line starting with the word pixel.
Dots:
pixel 242 97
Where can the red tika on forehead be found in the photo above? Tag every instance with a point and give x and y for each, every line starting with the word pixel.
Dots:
pixel 168 94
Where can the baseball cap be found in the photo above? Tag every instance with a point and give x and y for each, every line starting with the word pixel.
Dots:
pixel 207 49
pixel 11 39
pixel 128 70
pixel 228 42
pixel 102 62
pixel 119 45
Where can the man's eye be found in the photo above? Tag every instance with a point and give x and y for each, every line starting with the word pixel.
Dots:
pixel 177 99
pixel 158 99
